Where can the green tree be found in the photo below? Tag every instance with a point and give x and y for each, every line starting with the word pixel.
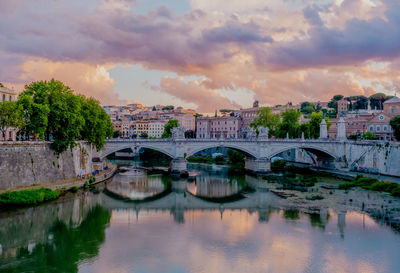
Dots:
pixel 377 100
pixel 395 123
pixel 266 119
pixel 315 120
pixel 116 134
pixel 307 108
pixel 144 135
pixel 333 102
pixel 337 97
pixel 306 129
pixel 34 116
pixel 168 107
pixel 172 123
pixel 65 119
pixel 51 110
pixel 97 127
pixel 225 111
pixel 235 157
pixel 290 123
pixel 10 116
pixel 369 136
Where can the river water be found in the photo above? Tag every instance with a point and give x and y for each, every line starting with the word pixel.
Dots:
pixel 219 221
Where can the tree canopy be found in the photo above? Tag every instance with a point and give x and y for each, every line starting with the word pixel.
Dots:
pixel 52 112
pixel 168 107
pixel 377 100
pixel 307 107
pixel 289 124
pixel 395 123
pixel 267 119
pixel 172 123
pixel 10 116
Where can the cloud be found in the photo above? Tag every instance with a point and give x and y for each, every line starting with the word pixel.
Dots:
pixel 311 13
pixel 279 50
pixel 359 41
pixel 208 100
pixel 91 81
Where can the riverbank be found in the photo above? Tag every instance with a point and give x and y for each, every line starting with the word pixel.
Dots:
pixel 325 194
pixel 65 185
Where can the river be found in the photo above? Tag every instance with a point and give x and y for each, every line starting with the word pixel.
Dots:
pixel 216 221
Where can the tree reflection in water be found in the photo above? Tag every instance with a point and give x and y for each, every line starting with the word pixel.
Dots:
pixel 65 248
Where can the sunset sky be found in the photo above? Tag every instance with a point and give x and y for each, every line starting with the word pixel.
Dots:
pixel 203 54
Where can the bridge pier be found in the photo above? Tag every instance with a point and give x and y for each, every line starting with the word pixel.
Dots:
pixel 257 165
pixel 178 167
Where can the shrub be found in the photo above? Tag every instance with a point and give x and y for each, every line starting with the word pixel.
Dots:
pixel 86 185
pixel 396 192
pixel 73 189
pixel 278 166
pixel 372 184
pixel 92 179
pixel 219 159
pixel 235 157
pixel 28 197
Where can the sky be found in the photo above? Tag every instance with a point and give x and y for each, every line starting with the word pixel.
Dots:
pixel 203 54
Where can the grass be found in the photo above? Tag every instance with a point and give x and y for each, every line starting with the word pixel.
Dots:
pixel 372 184
pixel 28 197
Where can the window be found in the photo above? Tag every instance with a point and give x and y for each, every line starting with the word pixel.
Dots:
pixel 378 128
pixel 385 128
pixel 371 128
pixel 4 97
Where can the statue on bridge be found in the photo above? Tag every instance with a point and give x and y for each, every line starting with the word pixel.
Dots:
pixel 263 133
pixel 178 132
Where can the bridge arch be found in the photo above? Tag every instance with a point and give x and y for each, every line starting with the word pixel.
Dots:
pixel 246 151
pixel 133 146
pixel 314 150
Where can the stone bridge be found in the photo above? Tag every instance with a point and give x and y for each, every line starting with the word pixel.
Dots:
pixel 258 151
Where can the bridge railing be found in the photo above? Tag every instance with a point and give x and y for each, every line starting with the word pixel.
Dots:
pixel 247 140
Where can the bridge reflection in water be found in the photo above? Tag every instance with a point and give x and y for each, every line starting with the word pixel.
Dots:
pixel 179 231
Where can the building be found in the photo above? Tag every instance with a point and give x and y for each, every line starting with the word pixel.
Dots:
pixel 138 127
pixel 391 107
pixel 125 128
pixel 186 121
pixel 218 127
pixel 342 107
pixel 7 94
pixel 380 127
pixel 156 128
pixel 246 116
pixel 375 121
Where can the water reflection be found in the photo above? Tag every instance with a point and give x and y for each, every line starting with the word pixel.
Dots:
pixel 137 185
pixel 52 238
pixel 179 232
pixel 213 182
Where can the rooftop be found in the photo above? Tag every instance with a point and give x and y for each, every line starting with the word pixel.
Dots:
pixel 7 90
pixel 392 100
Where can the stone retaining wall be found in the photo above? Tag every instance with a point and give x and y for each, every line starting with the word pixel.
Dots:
pixel 29 163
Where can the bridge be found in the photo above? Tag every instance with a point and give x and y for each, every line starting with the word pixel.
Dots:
pixel 258 150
